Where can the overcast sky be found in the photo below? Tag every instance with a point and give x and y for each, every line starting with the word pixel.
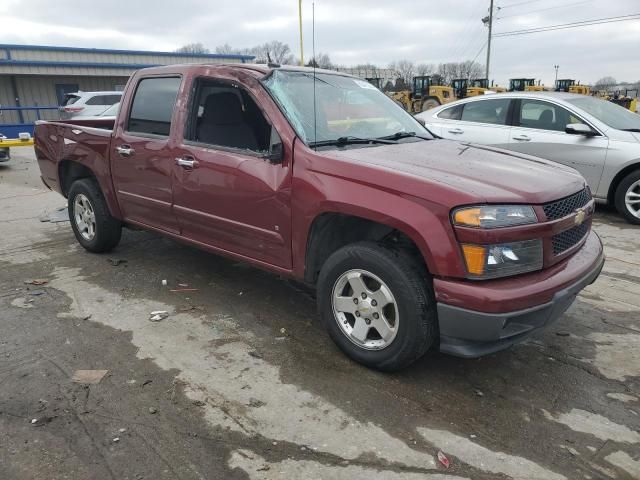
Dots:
pixel 351 31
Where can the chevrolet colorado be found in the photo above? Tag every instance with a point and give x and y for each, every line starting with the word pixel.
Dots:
pixel 411 242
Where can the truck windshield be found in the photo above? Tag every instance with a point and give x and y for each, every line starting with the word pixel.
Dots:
pixel 608 113
pixel 345 107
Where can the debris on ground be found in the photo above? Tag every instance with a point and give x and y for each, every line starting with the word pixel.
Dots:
pixel 164 283
pixel 479 393
pixel 158 315
pixel 116 440
pixel 199 403
pixel 146 382
pixel 184 290
pixel 86 317
pixel 283 331
pixel 36 281
pixel 40 421
pixel 116 261
pixel 442 458
pixel 255 354
pixel 573 451
pixel 153 410
pixel 92 377
pixel 183 284
pixel 36 293
pixel 263 468
pixel 122 430
pixel 563 334
pixel 255 403
pixel 59 215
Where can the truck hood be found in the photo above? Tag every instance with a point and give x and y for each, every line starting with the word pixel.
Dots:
pixel 484 173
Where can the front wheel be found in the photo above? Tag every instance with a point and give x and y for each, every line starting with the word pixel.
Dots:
pixel 377 306
pixel 94 227
pixel 627 197
pixel 429 104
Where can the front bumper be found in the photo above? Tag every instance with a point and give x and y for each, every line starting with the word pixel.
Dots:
pixel 473 333
pixel 4 154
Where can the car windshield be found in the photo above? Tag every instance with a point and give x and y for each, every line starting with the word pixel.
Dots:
pixel 608 112
pixel 346 108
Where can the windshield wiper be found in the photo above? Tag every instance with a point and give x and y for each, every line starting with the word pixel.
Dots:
pixel 400 135
pixel 631 130
pixel 342 141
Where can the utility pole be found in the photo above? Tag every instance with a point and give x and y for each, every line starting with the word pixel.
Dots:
pixel 300 20
pixel 489 39
pixel 556 82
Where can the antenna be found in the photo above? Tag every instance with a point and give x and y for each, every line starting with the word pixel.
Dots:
pixel 315 61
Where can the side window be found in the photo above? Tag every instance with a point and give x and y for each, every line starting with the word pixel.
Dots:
pixel 451 113
pixel 96 100
pixel 111 99
pixel 153 105
pixel 486 111
pixel 225 115
pixel 545 116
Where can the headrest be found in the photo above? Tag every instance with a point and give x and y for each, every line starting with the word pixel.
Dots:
pixel 222 108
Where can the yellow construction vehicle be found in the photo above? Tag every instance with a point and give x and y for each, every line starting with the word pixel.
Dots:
pixel 462 88
pixel 570 85
pixel 425 95
pixel 629 100
pixel 525 85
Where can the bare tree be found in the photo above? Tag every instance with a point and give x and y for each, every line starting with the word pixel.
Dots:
pixel 321 60
pixel 279 52
pixel 273 51
pixel 196 48
pixel 425 68
pixel 605 83
pixel 405 69
pixel 226 49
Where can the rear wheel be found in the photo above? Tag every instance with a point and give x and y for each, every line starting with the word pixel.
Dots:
pixel 627 197
pixel 377 306
pixel 94 227
pixel 429 103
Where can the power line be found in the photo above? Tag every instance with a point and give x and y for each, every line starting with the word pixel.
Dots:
pixel 479 51
pixel 519 3
pixel 563 26
pixel 543 9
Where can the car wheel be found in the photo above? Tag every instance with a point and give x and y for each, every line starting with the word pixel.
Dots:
pixel 377 306
pixel 627 198
pixel 429 104
pixel 94 227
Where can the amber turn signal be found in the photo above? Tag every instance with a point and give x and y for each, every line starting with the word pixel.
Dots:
pixel 475 258
pixel 467 216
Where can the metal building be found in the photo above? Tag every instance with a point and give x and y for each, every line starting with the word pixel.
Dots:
pixel 39 76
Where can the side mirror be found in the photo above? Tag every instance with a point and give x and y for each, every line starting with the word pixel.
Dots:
pixel 579 129
pixel 275 154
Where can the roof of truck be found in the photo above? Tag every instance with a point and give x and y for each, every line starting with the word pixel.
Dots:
pixel 255 67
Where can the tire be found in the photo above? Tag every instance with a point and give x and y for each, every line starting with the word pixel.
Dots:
pixel 85 196
pixel 630 185
pixel 413 313
pixel 429 104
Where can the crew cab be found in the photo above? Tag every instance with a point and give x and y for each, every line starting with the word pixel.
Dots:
pixel 411 242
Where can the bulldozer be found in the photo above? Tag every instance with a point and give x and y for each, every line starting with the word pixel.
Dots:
pixel 524 85
pixel 570 85
pixel 463 88
pixel 426 94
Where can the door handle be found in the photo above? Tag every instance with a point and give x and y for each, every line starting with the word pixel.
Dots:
pixel 522 138
pixel 186 162
pixel 457 131
pixel 125 150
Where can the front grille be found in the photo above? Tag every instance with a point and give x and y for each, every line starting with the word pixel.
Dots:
pixel 567 239
pixel 562 208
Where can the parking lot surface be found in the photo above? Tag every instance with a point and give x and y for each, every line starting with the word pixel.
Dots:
pixel 240 381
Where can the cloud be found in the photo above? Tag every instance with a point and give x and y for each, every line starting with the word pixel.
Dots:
pixel 354 31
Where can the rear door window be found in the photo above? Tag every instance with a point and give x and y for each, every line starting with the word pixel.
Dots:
pixel 486 111
pixel 153 105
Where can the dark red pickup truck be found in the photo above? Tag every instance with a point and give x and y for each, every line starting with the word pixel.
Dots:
pixel 411 242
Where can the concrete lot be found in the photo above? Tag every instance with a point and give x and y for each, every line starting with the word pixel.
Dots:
pixel 240 381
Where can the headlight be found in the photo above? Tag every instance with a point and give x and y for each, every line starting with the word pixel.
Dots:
pixel 494 216
pixel 504 259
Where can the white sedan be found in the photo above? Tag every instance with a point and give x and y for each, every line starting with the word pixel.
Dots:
pixel 598 138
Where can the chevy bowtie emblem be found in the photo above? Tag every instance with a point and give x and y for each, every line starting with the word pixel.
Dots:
pixel 580 216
